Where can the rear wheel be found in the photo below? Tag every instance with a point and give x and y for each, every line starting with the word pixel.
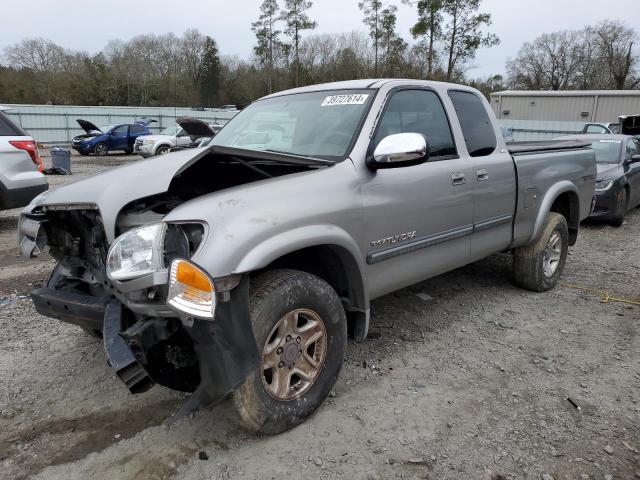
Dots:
pixel 301 330
pixel 538 266
pixel 621 209
pixel 101 149
pixel 128 151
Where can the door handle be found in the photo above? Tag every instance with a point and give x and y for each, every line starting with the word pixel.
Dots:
pixel 482 175
pixel 458 178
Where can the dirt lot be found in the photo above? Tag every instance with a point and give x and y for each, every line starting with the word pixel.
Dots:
pixel 464 377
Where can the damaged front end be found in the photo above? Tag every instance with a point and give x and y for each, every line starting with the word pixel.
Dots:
pixel 147 341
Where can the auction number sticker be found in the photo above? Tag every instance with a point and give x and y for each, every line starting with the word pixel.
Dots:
pixel 353 99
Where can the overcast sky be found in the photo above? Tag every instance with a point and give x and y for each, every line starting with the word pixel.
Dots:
pixel 88 25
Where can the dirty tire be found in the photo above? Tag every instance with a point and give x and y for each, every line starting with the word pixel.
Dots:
pixel 528 262
pixel 274 294
pixel 128 151
pixel 162 150
pixel 101 149
pixel 621 209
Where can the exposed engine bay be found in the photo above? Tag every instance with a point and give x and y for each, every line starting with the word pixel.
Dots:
pixel 146 341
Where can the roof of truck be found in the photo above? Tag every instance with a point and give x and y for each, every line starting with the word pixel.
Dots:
pixel 365 83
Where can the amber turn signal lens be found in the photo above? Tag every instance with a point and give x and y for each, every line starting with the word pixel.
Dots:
pixel 193 277
pixel 191 290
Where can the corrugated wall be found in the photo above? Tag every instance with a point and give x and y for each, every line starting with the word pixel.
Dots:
pixel 57 123
pixel 528 130
pixel 589 107
pixel 610 108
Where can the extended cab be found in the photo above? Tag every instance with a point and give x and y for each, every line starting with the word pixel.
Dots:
pixel 240 267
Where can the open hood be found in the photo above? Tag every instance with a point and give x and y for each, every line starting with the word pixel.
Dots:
pixel 87 126
pixel 630 124
pixel 195 128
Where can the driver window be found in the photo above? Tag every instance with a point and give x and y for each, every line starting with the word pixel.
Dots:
pixel 121 130
pixel 632 149
pixel 418 111
pixel 596 129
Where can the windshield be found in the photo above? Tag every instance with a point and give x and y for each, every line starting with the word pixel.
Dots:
pixel 318 124
pixel 607 151
pixel 172 130
pixel 106 128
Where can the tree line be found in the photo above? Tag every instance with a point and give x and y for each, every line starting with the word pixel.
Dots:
pixel 188 70
pixel 602 56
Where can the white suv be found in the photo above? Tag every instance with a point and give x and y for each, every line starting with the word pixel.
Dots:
pixel 20 166
pixel 160 144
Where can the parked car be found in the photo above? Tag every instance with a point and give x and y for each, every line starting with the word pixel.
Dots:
pixel 160 144
pixel 237 268
pixel 618 182
pixel 20 165
pixel 199 132
pixel 601 128
pixel 102 140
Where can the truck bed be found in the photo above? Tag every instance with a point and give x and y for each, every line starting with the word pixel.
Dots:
pixel 523 148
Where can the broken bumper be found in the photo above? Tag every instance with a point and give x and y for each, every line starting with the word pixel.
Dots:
pixel 83 310
pixel 224 348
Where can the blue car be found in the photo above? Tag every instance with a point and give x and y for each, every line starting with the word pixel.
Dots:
pixel 102 140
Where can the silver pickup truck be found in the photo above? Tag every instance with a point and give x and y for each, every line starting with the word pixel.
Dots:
pixel 240 268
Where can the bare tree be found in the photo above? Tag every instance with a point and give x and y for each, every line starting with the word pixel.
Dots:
pixel 615 42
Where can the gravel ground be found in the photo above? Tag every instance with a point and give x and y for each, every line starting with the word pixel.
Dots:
pixel 464 376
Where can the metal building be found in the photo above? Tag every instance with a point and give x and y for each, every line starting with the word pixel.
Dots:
pixel 566 106
pixel 51 124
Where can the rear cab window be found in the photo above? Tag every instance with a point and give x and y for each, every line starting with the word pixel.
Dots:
pixel 8 128
pixel 477 128
pixel 418 111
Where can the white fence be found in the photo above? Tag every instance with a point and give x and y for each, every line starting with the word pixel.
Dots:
pixel 56 124
pixel 529 130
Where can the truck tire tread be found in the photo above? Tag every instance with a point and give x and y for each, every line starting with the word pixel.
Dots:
pixel 528 260
pixel 256 410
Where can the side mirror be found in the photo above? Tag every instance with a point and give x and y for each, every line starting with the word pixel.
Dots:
pixel 634 159
pixel 399 150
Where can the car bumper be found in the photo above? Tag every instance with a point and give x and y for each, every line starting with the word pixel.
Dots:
pixel 20 196
pixel 144 151
pixel 605 204
pixel 82 148
pixel 225 347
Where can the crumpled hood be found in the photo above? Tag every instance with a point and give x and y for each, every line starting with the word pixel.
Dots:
pixel 607 171
pixel 113 189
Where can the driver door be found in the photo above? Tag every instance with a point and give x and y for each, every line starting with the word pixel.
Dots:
pixel 418 219
pixel 119 138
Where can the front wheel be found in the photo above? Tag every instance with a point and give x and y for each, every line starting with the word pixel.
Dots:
pixel 538 266
pixel 101 149
pixel 162 150
pixel 301 331
pixel 621 209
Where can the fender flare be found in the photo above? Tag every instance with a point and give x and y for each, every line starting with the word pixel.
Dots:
pixel 267 251
pixel 552 194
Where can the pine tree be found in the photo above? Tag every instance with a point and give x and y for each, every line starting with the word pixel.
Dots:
pixel 296 20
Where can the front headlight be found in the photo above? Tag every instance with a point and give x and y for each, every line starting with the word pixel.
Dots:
pixel 603 185
pixel 147 142
pixel 137 252
pixel 191 290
